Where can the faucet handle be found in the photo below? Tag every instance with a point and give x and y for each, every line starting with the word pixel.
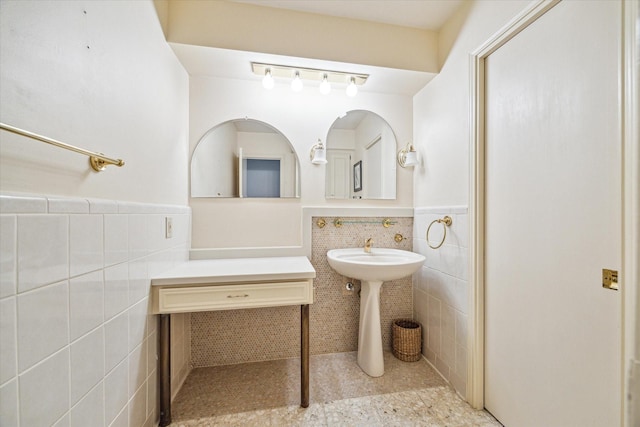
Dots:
pixel 367 244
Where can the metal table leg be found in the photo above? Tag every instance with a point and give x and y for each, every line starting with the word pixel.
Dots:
pixel 165 370
pixel 304 355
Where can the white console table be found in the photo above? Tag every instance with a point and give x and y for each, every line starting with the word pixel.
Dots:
pixel 230 284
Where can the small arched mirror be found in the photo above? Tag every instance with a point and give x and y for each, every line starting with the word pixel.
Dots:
pixel 244 158
pixel 361 157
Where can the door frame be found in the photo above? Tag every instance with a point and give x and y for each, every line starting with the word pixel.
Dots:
pixel 630 170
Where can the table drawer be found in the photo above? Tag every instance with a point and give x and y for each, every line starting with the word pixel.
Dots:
pixel 229 297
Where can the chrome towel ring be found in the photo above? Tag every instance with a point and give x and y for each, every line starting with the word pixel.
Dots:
pixel 446 221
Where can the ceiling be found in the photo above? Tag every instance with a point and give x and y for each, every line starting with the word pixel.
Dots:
pixel 424 14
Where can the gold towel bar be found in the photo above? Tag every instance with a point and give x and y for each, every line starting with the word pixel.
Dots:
pixel 339 222
pixel 97 161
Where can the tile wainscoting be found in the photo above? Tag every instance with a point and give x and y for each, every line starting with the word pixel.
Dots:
pixel 78 345
pixel 239 336
pixel 440 291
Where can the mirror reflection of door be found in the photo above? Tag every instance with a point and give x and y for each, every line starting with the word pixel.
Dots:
pixel 261 177
pixel 366 137
pixel 372 182
pixel 338 179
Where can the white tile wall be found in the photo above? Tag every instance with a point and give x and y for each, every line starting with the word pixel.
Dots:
pixel 90 410
pixel 8 341
pixel 43 250
pixel 116 290
pixel 137 368
pixel 44 391
pixel 63 422
pixel 114 383
pixel 86 303
pixel 116 240
pixel 78 345
pixel 87 363
pixel 9 403
pixel 86 247
pixel 7 255
pixel 116 342
pixel 122 420
pixel 441 288
pixel 43 323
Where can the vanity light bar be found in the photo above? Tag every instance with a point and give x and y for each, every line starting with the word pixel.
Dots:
pixel 285 71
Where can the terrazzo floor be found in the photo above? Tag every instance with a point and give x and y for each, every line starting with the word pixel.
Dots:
pixel 341 394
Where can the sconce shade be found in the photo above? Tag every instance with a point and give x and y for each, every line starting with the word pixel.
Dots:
pixel 411 159
pixel 318 154
pixel 408 157
pixel 320 157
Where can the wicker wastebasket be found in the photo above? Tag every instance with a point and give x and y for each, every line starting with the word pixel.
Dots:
pixel 407 340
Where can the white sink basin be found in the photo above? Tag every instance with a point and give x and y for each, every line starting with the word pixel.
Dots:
pixel 372 268
pixel 381 264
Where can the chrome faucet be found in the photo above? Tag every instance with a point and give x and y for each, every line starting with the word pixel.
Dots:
pixel 367 245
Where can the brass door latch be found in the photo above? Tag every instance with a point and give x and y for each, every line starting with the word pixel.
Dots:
pixel 610 279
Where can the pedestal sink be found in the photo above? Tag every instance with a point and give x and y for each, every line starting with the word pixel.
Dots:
pixel 372 269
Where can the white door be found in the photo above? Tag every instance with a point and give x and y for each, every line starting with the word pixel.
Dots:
pixel 553 221
pixel 338 181
pixel 372 170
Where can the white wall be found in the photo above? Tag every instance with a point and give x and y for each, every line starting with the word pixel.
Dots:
pixel 98 75
pixel 302 118
pixel 440 291
pixel 441 109
pixel 441 186
pixel 77 344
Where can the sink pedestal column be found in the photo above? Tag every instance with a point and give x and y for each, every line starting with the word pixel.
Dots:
pixel 370 356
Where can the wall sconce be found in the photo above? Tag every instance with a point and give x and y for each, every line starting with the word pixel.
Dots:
pixel 318 154
pixel 408 157
pixel 325 77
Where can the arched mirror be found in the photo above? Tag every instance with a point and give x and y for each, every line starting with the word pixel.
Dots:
pixel 361 157
pixel 244 158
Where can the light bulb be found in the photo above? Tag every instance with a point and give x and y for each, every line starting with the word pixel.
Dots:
pixel 325 86
pixel 296 84
pixel 352 89
pixel 267 80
